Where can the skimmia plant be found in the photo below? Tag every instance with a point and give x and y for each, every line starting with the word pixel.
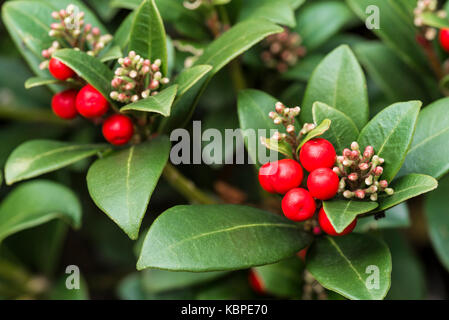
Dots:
pixel 348 159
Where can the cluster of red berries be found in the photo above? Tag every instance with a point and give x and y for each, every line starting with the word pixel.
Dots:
pixel 317 156
pixel 90 103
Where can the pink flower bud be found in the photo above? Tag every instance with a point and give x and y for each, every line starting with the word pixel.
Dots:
pixel 272 114
pixel 336 170
pixel 154 85
pixel 279 107
pixel 96 31
pixel 55 15
pixel 346 152
pixel 154 67
pixel 290 128
pixel 378 171
pixel 122 97
pixel 147 63
pixel 360 194
pixel 348 194
pixel 132 54
pixel 364 166
pixel 126 61
pixel 369 152
pixel 383 184
pixel 340 159
pixel 354 154
pixel 353 176
pixel 316 230
pixel 354 146
pixel 88 27
pixel 277 120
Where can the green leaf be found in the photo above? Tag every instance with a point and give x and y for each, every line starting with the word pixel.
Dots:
pixel 278 146
pixel 339 82
pixel 218 237
pixel 317 22
pixel 155 281
pixel 253 109
pixel 432 20
pixel 303 70
pixel 147 35
pixel 89 68
pixel 342 131
pixel 220 52
pixel 121 36
pixel 34 203
pixel 39 81
pixel 342 212
pixel 37 157
pixel 160 103
pixel 189 77
pixel 113 53
pixel 279 11
pixel 318 131
pixel 395 78
pixel 342 264
pixel 396 30
pixel 431 138
pixel 390 133
pixel 121 184
pixel 125 4
pixel 437 214
pixel 284 278
pixel 407 187
pixel 396 217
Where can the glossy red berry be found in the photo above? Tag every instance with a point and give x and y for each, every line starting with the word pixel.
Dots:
pixel 59 70
pixel 280 176
pixel 255 282
pixel 317 153
pixel 118 129
pixel 90 103
pixel 444 39
pixel 323 183
pixel 298 205
pixel 64 104
pixel 327 227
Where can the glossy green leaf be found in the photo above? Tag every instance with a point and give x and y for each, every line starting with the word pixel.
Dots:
pixel 220 52
pixel 154 280
pixel 437 214
pixel 121 36
pixel 28 23
pixel 253 109
pixel 126 4
pixel 390 133
pixel 218 237
pixel 113 53
pixel 431 138
pixel 278 146
pixel 407 187
pixel 279 11
pixel 396 29
pixel 318 131
pixel 350 264
pixel 34 203
pixel 284 278
pixel 339 82
pixel 432 20
pixel 394 77
pixel 147 35
pixel 160 103
pixel 318 21
pixel 121 184
pixel 89 68
pixel 39 81
pixel 189 77
pixel 37 157
pixel 395 217
pixel 341 213
pixel 342 130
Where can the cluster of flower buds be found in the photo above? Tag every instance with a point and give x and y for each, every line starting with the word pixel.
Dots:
pixel 286 117
pixel 71 29
pixel 425 6
pixel 136 78
pixel 282 50
pixel 360 173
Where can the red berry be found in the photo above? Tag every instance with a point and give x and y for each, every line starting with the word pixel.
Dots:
pixel 327 227
pixel 90 103
pixel 64 104
pixel 302 254
pixel 280 176
pixel 298 205
pixel 118 129
pixel 323 183
pixel 59 70
pixel 444 39
pixel 317 153
pixel 256 282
